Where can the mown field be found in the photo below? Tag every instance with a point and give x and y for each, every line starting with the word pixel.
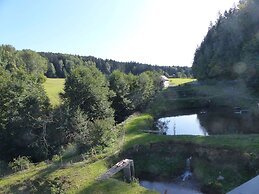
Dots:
pixel 53 87
pixel 180 81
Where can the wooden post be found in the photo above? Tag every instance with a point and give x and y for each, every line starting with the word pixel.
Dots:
pixel 132 168
pixel 127 173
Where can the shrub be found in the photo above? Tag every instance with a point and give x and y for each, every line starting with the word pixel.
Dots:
pixel 212 188
pixel 56 158
pixel 20 163
pixel 69 151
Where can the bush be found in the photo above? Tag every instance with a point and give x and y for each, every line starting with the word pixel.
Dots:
pixel 212 188
pixel 69 151
pixel 20 163
pixel 56 158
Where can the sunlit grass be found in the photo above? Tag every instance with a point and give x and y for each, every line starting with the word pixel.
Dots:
pixel 53 87
pixel 180 81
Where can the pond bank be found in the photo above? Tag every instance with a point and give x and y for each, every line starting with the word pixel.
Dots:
pixel 178 187
pixel 165 161
pixel 162 158
pixel 209 121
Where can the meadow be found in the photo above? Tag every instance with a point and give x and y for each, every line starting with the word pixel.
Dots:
pixel 53 87
pixel 180 81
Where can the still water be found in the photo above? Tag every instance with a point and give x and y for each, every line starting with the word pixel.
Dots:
pixel 184 125
pixel 211 122
pixel 171 188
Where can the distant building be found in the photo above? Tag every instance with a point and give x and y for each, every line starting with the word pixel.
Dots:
pixel 164 81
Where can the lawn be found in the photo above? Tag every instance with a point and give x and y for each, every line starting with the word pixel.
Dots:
pixel 53 87
pixel 180 81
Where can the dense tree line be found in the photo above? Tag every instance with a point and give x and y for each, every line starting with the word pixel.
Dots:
pixel 61 64
pixel 230 49
pixel 91 104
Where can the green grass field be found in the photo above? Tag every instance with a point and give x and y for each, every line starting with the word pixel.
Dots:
pixel 54 86
pixel 180 81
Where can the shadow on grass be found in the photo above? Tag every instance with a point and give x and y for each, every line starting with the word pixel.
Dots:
pixel 113 186
pixel 37 183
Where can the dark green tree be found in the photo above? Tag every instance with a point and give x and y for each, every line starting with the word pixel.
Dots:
pixel 229 49
pixel 51 72
pixel 121 84
pixel 87 88
pixel 24 107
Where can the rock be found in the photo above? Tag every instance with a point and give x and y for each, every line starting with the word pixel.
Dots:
pixel 220 178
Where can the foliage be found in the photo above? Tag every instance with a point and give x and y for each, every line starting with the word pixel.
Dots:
pixel 64 63
pixel 87 133
pixel 86 87
pixel 32 62
pixel 146 85
pixel 230 48
pixel 24 107
pixel 51 72
pixel 20 163
pixel 25 60
pixel 132 93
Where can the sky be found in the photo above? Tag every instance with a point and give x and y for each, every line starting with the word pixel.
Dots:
pixel 157 32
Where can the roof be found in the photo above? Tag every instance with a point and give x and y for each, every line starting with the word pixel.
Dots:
pixel 164 78
pixel 250 187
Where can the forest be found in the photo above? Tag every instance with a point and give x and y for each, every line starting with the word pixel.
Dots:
pixel 59 65
pixel 230 50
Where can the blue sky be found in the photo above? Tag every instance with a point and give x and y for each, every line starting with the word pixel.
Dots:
pixel 162 32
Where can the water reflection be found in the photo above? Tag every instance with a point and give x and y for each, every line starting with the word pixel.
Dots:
pixel 184 125
pixel 216 121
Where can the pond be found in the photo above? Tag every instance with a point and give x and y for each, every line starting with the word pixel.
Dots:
pixel 184 184
pixel 179 187
pixel 210 122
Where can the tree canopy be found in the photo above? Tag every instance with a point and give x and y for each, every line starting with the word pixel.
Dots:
pixel 87 88
pixel 230 49
pixel 64 63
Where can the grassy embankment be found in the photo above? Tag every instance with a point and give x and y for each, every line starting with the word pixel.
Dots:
pixel 73 178
pixel 80 177
pixel 54 86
